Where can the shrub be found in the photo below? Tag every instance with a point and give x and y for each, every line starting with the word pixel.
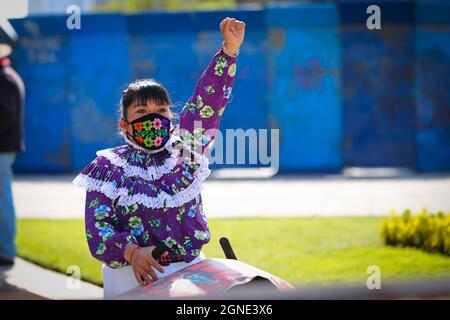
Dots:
pixel 430 232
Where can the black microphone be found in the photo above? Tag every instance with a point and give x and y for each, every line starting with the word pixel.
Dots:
pixel 226 247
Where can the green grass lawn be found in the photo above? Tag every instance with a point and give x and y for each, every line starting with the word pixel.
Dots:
pixel 303 251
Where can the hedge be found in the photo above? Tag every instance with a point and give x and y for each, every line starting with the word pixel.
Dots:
pixel 430 232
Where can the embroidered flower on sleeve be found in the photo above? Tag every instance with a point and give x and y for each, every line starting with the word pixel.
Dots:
pixel 199 132
pixel 116 264
pixel 199 102
pixel 190 106
pixel 221 64
pixel 206 112
pixel 145 237
pixel 191 212
pixel 155 223
pixel 187 136
pixel 187 242
pixel 101 212
pixel 210 89
pixel 101 225
pixel 134 222
pixel 101 248
pixel 232 70
pixel 195 252
pixel 201 235
pixel 137 231
pixel 182 250
pixel 227 92
pixel 136 226
pixel 129 209
pixel 106 232
pixel 169 242
pixel 129 239
pixel 94 202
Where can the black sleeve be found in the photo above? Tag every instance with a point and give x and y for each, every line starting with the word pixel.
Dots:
pixel 9 110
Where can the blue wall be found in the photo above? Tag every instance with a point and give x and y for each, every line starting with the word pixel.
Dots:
pixel 377 86
pixel 304 73
pixel 340 94
pixel 432 86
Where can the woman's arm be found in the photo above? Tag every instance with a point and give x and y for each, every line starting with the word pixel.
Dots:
pixel 199 119
pixel 105 242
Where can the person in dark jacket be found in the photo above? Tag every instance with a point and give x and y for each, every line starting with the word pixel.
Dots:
pixel 12 95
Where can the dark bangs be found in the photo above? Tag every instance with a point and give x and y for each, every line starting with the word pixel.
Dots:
pixel 139 92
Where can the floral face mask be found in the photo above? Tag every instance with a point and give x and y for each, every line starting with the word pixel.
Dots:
pixel 151 131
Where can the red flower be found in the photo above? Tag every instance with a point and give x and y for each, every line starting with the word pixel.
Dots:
pixel 138 126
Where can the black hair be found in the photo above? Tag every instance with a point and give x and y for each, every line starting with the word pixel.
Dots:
pixel 140 91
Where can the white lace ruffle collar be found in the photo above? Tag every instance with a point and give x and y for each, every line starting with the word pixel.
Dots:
pixel 149 171
pixel 102 177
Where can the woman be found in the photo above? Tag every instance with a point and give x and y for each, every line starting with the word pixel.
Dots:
pixel 146 193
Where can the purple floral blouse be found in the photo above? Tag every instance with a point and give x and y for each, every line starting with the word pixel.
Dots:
pixel 135 196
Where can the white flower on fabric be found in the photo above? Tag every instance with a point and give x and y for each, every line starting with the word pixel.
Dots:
pixel 116 265
pixel 101 225
pixel 210 89
pixel 188 137
pixel 190 106
pixel 101 248
pixel 198 132
pixel 182 250
pixel 169 242
pixel 227 92
pixel 101 212
pixel 199 102
pixel 201 235
pixel 135 222
pixel 221 64
pixel 206 112
pixel 106 232
pixel 232 70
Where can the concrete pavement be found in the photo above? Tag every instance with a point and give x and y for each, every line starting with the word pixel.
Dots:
pixel 27 281
pixel 282 196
